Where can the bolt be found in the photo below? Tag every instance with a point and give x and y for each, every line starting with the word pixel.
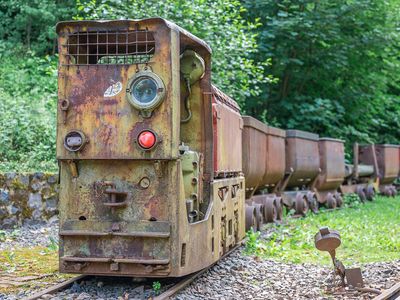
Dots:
pixel 144 183
pixel 194 181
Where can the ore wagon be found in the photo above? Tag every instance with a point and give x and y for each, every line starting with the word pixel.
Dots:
pixel 263 168
pixel 332 163
pixel 302 169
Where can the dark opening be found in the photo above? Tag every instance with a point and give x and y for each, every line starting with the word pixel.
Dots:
pixel 183 255
pixel 122 47
pixel 82 218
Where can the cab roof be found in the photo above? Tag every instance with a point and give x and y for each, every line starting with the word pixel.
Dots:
pixel 96 24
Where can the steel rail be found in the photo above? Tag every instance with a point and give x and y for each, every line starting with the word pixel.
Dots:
pixel 185 281
pixel 390 294
pixel 55 288
pixel 190 278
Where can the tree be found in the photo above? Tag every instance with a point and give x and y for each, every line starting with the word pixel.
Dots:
pixel 337 65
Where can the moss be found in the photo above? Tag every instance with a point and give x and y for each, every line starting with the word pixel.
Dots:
pixel 37 261
pixel 18 185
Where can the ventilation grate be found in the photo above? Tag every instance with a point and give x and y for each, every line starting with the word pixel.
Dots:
pixel 123 47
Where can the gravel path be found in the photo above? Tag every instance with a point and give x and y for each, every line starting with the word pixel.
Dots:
pixel 243 277
pixel 29 236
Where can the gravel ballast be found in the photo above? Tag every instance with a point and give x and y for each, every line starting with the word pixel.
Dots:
pixel 236 277
pixel 245 277
pixel 29 236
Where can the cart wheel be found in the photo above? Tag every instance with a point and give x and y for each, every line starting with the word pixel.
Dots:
pixel 331 201
pixel 259 214
pixel 394 191
pixel 361 194
pixel 387 192
pixel 370 194
pixel 251 221
pixel 301 204
pixel 339 200
pixel 270 210
pixel 313 202
pixel 279 208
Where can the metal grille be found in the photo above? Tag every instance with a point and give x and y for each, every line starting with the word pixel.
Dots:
pixel 122 47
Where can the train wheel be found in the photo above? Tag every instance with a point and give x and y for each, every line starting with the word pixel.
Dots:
pixel 259 215
pixel 279 208
pixel 251 218
pixel 312 202
pixel 339 200
pixel 301 204
pixel 270 210
pixel 331 201
pixel 361 194
pixel 370 193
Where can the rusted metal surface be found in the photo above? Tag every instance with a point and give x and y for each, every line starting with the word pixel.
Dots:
pixel 254 154
pixel 276 159
pixel 130 206
pixel 302 157
pixel 228 126
pixel 329 240
pixel 387 160
pixel 263 155
pixel 361 177
pixel 332 164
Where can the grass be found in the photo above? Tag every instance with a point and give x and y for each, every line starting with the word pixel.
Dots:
pixel 369 233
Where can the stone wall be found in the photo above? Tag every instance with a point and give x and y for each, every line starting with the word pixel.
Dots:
pixel 28 198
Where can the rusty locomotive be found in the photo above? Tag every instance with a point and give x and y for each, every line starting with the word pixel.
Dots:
pixel 160 173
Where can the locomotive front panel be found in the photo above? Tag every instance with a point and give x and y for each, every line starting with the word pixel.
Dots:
pixel 135 149
pixel 118 127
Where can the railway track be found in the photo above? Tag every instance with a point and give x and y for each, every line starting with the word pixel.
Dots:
pixel 174 285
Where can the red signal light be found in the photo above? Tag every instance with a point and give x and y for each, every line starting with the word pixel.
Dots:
pixel 146 139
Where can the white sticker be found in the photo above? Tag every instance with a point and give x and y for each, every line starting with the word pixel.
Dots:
pixel 113 90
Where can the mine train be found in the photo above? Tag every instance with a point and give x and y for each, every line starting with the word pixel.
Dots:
pixel 160 174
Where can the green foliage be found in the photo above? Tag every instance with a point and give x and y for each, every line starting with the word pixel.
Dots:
pixel 351 200
pixel 31 23
pixel 28 94
pixel 252 242
pixel 336 63
pixel 156 287
pixel 368 233
pixel 219 23
pixel 330 67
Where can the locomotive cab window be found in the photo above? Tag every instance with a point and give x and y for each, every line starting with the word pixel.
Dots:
pixel 123 47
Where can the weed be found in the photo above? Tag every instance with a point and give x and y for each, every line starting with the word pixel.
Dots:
pixel 156 287
pixel 9 256
pixel 252 242
pixel 351 200
pixel 53 246
pixel 2 235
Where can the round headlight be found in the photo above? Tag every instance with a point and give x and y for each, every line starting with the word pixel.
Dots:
pixel 145 90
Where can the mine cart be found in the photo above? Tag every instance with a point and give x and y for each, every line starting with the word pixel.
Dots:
pixel 263 167
pixel 302 169
pixel 332 163
pixel 361 177
pixel 387 159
